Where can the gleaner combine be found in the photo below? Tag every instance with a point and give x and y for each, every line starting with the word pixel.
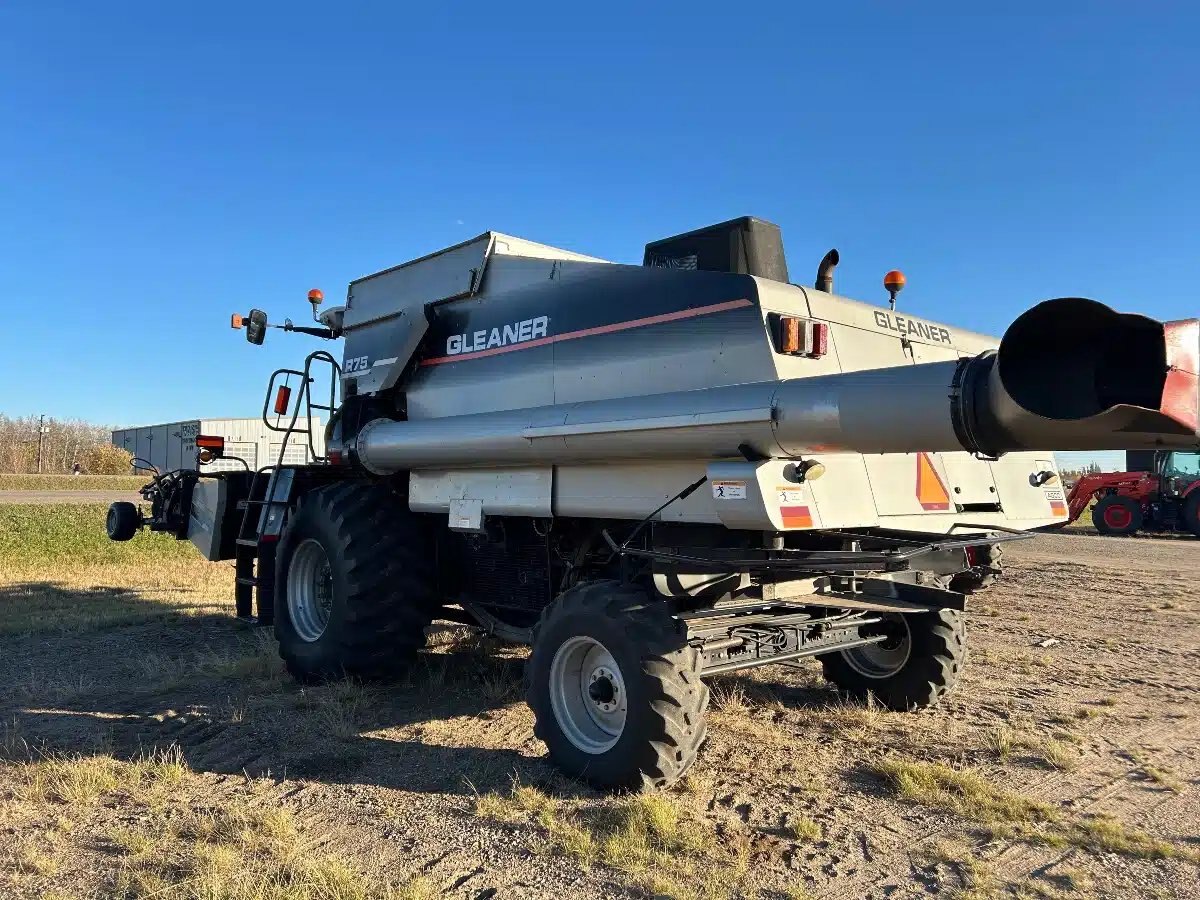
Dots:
pixel 657 473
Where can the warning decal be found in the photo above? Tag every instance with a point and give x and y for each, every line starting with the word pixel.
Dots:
pixel 791 495
pixel 931 491
pixel 729 490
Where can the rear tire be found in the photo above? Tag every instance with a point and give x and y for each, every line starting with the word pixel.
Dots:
pixel 1191 512
pixel 919 664
pixel 614 688
pixel 354 584
pixel 1117 514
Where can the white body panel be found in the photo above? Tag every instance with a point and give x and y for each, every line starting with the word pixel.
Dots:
pixel 173 445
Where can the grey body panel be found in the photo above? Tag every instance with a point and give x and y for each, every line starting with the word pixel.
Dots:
pixel 210 497
pixel 385 316
pixel 609 384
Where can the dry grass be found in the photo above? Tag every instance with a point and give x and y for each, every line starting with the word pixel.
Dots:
pixel 664 845
pixel 81 780
pixel 800 828
pixel 1012 816
pixel 962 791
pixel 334 709
pixel 46 688
pixel 977 879
pixel 177 849
pixel 1160 776
pixel 241 853
pixel 1059 755
pixel 1001 741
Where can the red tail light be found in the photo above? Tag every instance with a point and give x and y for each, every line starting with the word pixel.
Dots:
pixel 820 340
pixel 283 399
pixel 210 441
pixel 801 337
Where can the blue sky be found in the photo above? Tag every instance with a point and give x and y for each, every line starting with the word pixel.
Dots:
pixel 164 164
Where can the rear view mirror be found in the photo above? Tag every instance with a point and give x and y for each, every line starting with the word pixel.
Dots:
pixel 256 326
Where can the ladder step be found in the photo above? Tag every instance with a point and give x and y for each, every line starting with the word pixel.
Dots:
pixel 247 580
pixel 247 542
pixel 246 504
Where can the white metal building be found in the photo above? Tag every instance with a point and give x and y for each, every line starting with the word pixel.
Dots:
pixel 173 445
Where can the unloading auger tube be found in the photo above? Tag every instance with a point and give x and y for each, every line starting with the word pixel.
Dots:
pixel 1070 374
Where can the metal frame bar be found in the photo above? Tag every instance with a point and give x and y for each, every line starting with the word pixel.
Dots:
pixel 828 561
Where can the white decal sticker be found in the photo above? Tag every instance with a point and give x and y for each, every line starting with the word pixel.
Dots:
pixel 729 490
pixel 790 494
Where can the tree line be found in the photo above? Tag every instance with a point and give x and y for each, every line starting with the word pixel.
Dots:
pixel 64 444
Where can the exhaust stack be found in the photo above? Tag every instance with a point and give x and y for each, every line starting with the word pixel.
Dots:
pixel 825 271
pixel 1070 374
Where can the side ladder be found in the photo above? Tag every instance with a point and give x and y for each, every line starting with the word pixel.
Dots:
pixel 264 510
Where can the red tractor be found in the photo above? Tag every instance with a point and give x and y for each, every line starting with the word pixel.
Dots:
pixel 1161 493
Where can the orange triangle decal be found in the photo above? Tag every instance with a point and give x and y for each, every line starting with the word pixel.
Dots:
pixel 931 491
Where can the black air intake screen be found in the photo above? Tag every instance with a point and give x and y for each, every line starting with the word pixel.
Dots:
pixel 747 246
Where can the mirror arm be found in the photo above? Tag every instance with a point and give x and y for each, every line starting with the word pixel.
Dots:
pixel 304 329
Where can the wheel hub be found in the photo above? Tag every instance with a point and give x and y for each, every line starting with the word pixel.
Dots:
pixel 603 689
pixel 886 658
pixel 587 694
pixel 309 590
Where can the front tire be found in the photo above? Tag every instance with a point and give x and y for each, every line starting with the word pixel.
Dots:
pixel 615 689
pixel 123 521
pixel 355 584
pixel 1117 515
pixel 918 664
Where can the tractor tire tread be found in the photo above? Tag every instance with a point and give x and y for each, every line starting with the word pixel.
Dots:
pixel 939 656
pixel 676 696
pixel 389 598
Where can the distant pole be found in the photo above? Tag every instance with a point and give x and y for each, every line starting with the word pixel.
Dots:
pixel 42 429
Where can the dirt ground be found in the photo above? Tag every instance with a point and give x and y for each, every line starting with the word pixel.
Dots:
pixel 1065 770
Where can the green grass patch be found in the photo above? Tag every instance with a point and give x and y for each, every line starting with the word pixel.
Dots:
pixel 73 534
pixel 59 572
pixel 72 482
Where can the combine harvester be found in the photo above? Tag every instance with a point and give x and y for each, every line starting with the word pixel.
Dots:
pixel 658 473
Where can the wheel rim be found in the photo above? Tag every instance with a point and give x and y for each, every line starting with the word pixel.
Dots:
pixel 1117 517
pixel 587 694
pixel 309 590
pixel 886 658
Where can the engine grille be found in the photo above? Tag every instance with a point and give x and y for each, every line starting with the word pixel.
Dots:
pixel 509 574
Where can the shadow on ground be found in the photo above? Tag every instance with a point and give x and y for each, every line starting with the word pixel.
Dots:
pixel 121 673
